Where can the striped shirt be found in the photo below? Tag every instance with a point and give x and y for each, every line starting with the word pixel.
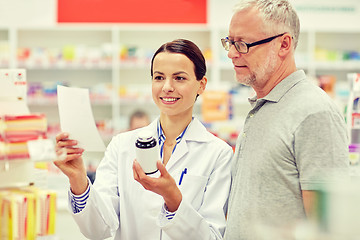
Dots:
pixel 162 138
pixel 78 202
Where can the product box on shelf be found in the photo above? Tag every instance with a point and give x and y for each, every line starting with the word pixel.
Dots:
pixel 16 131
pixel 16 152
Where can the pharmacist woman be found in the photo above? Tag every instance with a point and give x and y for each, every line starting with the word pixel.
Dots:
pixel 187 198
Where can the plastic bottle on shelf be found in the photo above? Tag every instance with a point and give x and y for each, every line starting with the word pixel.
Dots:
pixel 354 154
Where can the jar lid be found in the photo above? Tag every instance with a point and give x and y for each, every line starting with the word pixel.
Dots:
pixel 145 135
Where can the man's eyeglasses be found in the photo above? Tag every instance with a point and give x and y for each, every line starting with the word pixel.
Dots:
pixel 243 47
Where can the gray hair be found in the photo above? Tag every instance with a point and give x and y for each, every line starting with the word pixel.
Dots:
pixel 278 16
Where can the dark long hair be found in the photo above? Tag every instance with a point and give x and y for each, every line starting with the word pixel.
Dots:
pixel 189 49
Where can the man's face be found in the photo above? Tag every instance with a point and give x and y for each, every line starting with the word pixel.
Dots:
pixel 255 67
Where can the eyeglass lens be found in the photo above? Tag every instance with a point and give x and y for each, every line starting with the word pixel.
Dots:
pixel 240 46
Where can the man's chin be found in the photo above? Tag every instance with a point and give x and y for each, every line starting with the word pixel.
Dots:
pixel 245 80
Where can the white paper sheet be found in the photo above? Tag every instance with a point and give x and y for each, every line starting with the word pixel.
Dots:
pixel 76 118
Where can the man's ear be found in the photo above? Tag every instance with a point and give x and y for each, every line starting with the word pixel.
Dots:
pixel 286 45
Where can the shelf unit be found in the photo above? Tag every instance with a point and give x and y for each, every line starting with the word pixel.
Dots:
pixel 28 208
pixel 100 62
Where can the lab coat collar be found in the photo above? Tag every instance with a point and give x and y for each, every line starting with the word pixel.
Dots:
pixel 195 132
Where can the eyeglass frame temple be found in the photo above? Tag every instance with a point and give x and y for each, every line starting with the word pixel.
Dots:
pixel 249 45
pixel 266 40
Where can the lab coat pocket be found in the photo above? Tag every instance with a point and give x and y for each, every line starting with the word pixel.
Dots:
pixel 193 189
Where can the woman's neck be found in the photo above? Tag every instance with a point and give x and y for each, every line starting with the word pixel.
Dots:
pixel 173 126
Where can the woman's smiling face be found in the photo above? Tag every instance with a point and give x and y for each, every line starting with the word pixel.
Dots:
pixel 174 84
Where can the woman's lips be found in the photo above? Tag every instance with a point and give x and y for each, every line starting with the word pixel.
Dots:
pixel 169 100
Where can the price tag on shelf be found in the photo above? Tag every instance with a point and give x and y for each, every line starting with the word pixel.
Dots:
pixel 41 150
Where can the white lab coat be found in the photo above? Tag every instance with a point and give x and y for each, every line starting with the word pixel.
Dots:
pixel 120 206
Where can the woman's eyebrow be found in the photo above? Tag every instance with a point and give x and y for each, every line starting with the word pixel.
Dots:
pixel 180 72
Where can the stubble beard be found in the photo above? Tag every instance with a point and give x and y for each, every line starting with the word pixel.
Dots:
pixel 262 73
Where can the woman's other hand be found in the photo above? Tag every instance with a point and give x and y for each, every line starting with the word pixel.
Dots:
pixel 164 185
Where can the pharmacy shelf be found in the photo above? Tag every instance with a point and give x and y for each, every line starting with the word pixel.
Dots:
pixel 117 57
